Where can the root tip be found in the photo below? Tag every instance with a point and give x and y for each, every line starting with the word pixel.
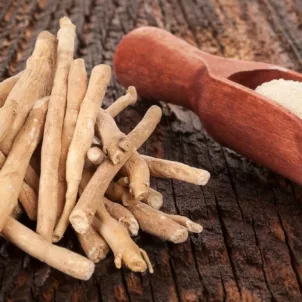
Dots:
pixel 194 227
pixel 79 222
pixel 203 177
pixel 179 236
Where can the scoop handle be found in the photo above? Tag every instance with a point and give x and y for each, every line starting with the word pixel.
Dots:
pixel 160 65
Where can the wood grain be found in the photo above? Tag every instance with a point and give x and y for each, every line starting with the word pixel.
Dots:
pixel 251 247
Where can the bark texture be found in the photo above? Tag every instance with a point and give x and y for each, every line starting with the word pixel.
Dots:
pixel 251 246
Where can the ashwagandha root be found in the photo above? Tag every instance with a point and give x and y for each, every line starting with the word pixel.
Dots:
pixel 171 169
pixel 13 171
pixel 116 235
pixel 191 226
pixel 27 196
pixel 77 86
pixel 159 224
pixel 60 258
pixel 167 227
pixel 34 83
pixel 82 139
pixel 138 175
pixel 154 199
pixel 117 211
pixel 122 215
pixel 83 213
pixel 29 201
pixel 51 147
pixel 94 245
pixel 32 178
pixel 119 192
pixel 6 86
pixel 123 102
pixel 96 156
pixel 115 143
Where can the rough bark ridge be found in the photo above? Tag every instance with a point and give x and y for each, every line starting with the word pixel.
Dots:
pixel 250 248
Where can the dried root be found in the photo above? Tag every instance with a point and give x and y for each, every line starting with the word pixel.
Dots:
pixel 117 211
pixel 154 199
pixel 96 156
pixel 29 201
pixel 171 169
pixel 115 143
pixel 34 83
pixel 191 226
pixel 122 215
pixel 94 245
pixel 123 102
pixel 158 224
pixel 77 86
pixel 119 191
pixel 124 249
pixel 51 148
pixel 6 86
pixel 60 258
pixel 81 141
pixel 83 150
pixel 13 171
pixel 167 227
pixel 27 196
pixel 82 215
pixel 139 176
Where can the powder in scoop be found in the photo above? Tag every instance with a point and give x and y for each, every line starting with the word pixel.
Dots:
pixel 288 94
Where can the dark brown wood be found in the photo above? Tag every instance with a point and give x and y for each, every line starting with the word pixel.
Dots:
pixel 234 115
pixel 250 248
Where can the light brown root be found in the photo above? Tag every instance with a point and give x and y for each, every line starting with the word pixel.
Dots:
pixel 158 224
pixel 83 213
pixel 171 169
pixel 123 215
pixel 147 260
pixel 117 211
pixel 6 86
pixel 116 235
pixel 114 142
pixel 13 171
pixel 138 174
pixel 191 226
pixel 154 199
pixel 32 179
pixel 123 102
pixel 51 147
pixel 62 259
pixel 82 139
pixel 96 156
pixel 76 90
pixel 94 245
pixel 34 83
pixel 120 193
pixel 29 201
pixel 27 196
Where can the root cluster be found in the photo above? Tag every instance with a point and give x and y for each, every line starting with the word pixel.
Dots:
pixel 92 177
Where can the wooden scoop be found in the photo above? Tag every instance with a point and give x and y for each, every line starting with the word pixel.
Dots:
pixel 164 67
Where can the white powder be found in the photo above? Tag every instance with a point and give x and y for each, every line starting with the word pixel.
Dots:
pixel 288 94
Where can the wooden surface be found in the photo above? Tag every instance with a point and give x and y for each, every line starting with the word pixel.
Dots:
pixel 251 247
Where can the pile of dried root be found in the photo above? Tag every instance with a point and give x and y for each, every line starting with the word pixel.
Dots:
pixel 84 157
